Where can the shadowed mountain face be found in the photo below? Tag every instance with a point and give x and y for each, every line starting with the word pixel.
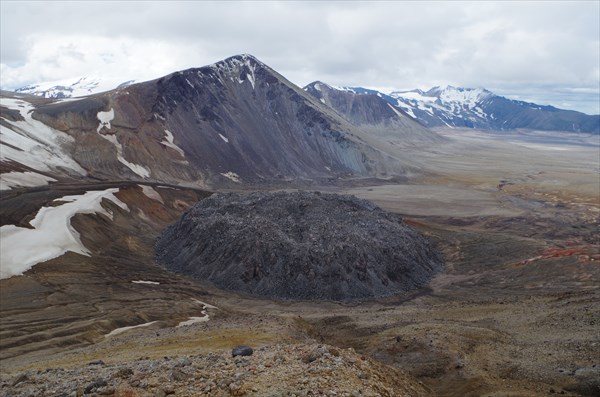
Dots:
pixel 375 115
pixel 230 123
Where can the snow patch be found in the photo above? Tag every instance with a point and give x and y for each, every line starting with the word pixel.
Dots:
pixel 151 193
pixel 206 305
pixel 395 111
pixel 190 84
pixel 124 329
pixel 407 109
pixel 52 234
pixel 251 78
pixel 105 119
pixel 223 138
pixel 232 175
pixel 145 282
pixel 193 320
pixel 12 179
pixel 32 143
pixel 169 142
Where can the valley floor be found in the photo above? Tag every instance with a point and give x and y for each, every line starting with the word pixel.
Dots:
pixel 516 312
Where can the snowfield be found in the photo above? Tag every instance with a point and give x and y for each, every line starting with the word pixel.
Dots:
pixel 52 234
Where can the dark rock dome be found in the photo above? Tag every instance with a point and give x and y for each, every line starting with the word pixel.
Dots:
pixel 301 245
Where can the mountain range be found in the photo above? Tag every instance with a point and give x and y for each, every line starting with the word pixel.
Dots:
pixel 438 107
pixel 473 108
pixel 237 123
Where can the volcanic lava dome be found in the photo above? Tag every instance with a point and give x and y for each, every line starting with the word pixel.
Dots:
pixel 299 245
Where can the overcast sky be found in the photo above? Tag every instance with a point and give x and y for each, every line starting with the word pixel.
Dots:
pixel 545 52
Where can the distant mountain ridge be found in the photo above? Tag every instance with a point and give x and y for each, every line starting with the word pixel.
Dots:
pixel 374 115
pixel 74 87
pixel 479 108
pixel 438 107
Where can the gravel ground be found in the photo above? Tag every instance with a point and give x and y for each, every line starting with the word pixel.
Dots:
pixel 278 370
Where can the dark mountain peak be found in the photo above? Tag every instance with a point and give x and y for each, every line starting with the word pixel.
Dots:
pixel 244 57
pixel 238 62
pixel 317 85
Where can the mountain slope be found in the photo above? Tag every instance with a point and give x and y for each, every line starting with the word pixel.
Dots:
pixel 374 114
pixel 236 121
pixel 480 108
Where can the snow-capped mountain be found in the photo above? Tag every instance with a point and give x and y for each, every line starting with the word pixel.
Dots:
pixel 447 103
pixel 74 87
pixel 479 108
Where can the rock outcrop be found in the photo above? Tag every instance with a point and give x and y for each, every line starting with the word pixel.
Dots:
pixel 298 245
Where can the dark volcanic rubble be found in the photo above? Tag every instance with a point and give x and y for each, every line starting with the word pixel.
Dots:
pixel 298 245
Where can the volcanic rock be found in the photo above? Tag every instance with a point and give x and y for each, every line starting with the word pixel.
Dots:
pixel 242 351
pixel 297 245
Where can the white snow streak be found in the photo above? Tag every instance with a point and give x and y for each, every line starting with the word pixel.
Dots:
pixel 169 142
pixel 251 76
pixel 193 320
pixel 123 329
pixel 145 282
pixel 223 138
pixel 232 175
pixel 395 110
pixel 151 193
pixel 13 179
pixel 206 305
pixel 52 234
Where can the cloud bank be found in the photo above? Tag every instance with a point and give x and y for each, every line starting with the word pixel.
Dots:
pixel 545 52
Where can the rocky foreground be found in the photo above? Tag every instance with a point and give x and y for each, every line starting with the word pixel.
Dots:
pixel 279 370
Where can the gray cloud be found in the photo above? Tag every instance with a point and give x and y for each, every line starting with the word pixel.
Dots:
pixel 544 51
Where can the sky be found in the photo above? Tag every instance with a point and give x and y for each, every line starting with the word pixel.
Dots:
pixel 547 52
